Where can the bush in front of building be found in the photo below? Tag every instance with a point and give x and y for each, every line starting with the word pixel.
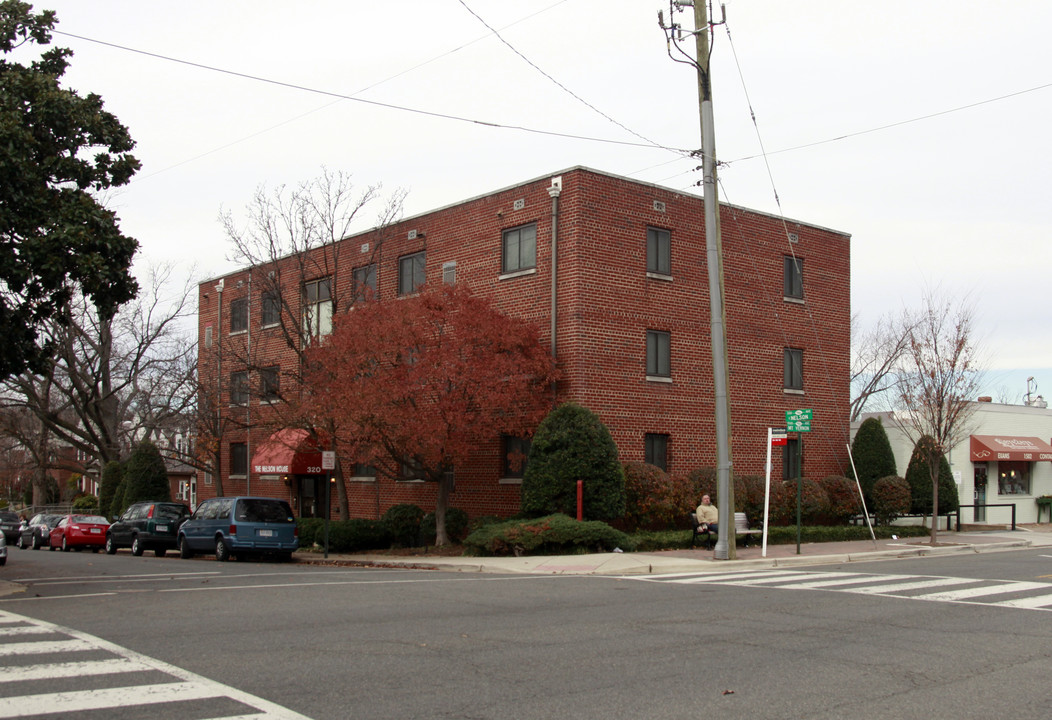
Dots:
pixel 843 498
pixel 654 500
pixel 112 475
pixel 702 482
pixel 556 534
pixel 456 526
pixel 873 456
pixel 403 524
pixel 891 498
pixel 573 444
pixel 918 475
pixel 814 502
pixel 145 476
pixel 355 535
pixel 86 502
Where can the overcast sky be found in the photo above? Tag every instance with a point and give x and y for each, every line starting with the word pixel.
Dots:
pixel 922 128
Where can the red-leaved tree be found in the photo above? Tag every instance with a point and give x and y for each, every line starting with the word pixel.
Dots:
pixel 420 382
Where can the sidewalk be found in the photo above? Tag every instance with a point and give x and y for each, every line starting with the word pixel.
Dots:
pixel 700 560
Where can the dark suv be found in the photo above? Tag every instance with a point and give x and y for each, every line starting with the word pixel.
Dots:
pixel 147 526
pixel 11 524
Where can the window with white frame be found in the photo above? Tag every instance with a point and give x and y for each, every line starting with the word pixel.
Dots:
pixel 239 459
pixel 659 251
pixel 411 272
pixel 270 308
pixel 239 388
pixel 515 451
pixel 793 277
pixel 655 450
pixel 793 369
pixel 317 308
pixel 364 279
pixel 238 315
pixel 659 361
pixel 519 248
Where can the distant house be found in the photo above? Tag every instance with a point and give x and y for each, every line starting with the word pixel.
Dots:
pixel 613 272
pixel 1006 460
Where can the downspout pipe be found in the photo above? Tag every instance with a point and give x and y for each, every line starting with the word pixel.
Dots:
pixel 553 193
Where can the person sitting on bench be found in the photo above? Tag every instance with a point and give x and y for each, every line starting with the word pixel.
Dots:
pixel 708 516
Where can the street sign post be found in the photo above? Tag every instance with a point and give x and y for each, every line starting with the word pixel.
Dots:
pixel 799 421
pixel 328 464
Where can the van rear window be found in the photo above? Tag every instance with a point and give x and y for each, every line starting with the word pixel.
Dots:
pixel 256 510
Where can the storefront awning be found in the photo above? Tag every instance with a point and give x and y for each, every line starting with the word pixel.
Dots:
pixel 991 448
pixel 287 452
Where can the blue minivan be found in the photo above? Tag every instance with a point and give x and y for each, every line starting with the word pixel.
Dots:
pixel 240 526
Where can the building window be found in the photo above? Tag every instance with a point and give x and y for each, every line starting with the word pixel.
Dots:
pixel 239 459
pixel 363 470
pixel 238 315
pixel 239 388
pixel 659 363
pixel 659 248
pixel 1013 478
pixel 449 272
pixel 793 277
pixel 515 451
pixel 208 336
pixel 793 369
pixel 520 248
pixel 270 311
pixel 410 273
pixel 317 308
pixel 655 450
pixel 412 470
pixel 791 460
pixel 365 283
pixel 269 383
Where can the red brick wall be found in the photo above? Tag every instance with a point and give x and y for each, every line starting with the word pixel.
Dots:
pixel 606 303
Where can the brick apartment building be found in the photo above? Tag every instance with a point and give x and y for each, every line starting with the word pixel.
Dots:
pixel 630 322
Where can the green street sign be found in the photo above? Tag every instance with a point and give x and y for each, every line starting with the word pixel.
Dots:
pixel 798 426
pixel 794 415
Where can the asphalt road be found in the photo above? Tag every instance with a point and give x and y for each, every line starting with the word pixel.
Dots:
pixel 324 642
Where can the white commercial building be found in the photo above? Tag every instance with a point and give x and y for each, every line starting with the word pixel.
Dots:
pixel 1004 460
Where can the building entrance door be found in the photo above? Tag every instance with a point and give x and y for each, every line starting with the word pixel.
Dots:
pixel 979 493
pixel 310 488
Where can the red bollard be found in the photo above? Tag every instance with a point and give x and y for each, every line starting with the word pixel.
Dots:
pixel 580 500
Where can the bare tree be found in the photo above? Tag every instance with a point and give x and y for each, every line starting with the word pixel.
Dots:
pixel 876 358
pixel 291 245
pixel 114 378
pixel 939 384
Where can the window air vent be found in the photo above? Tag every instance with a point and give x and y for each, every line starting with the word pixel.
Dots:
pixel 518 204
pixel 412 234
pixel 659 206
pixel 794 238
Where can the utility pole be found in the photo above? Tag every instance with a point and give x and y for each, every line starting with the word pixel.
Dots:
pixel 725 549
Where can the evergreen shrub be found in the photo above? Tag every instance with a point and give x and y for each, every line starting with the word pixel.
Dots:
pixel 456 526
pixel 918 475
pixel 655 500
pixel 551 535
pixel 873 456
pixel 403 524
pixel 891 498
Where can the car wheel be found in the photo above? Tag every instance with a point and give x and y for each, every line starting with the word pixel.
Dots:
pixel 50 546
pixel 3 561
pixel 160 552
pixel 184 549
pixel 285 557
pixel 111 547
pixel 137 547
pixel 37 542
pixel 222 551
pixel 65 545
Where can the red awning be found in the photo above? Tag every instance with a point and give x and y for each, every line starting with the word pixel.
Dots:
pixel 1009 447
pixel 291 451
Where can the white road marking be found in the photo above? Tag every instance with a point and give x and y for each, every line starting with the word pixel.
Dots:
pixel 184 685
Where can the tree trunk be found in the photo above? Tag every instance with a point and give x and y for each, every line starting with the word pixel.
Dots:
pixel 445 483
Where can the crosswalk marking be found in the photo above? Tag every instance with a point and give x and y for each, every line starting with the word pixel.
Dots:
pixel 939 589
pixel 179 685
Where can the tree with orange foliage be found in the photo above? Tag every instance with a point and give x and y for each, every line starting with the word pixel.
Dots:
pixel 420 382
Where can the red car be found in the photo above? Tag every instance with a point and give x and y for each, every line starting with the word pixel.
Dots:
pixel 79 531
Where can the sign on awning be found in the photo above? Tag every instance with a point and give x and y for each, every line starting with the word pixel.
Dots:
pixel 992 448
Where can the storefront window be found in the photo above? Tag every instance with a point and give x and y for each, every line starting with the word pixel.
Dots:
pixel 1013 478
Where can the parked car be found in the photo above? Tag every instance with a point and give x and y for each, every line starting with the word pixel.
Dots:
pixel 11 524
pixel 239 526
pixel 147 526
pixel 79 531
pixel 3 550
pixel 38 532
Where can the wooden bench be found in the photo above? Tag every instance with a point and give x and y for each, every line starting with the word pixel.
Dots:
pixel 741 527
